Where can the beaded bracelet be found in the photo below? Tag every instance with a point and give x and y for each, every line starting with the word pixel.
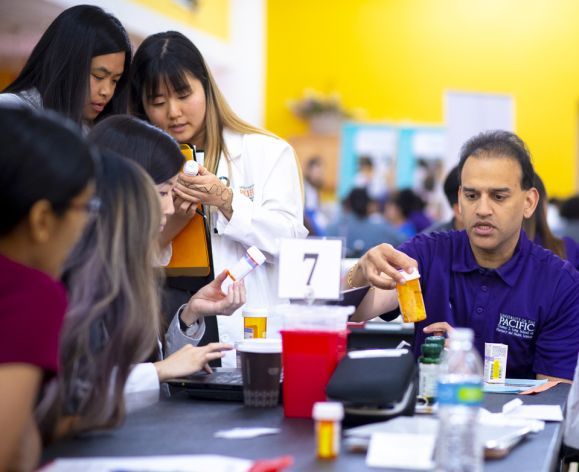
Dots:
pixel 350 274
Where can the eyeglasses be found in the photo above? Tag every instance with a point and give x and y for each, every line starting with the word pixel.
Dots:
pixel 92 207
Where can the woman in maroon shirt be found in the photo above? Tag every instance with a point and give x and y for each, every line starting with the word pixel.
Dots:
pixel 46 190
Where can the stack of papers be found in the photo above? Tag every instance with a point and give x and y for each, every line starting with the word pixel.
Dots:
pixel 513 385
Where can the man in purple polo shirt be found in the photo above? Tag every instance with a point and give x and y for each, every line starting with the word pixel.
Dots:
pixel 490 277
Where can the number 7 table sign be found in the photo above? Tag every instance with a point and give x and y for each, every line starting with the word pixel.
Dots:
pixel 310 269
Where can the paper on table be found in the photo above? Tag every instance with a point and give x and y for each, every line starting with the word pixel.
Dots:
pixel 189 463
pixel 245 433
pixel 401 451
pixel 513 385
pixel 537 412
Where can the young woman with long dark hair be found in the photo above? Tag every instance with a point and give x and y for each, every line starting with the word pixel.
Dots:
pixel 113 323
pixel 46 190
pixel 250 178
pixel 78 68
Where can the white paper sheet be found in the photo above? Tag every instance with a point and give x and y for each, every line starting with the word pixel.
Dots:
pixel 189 463
pixel 538 412
pixel 401 451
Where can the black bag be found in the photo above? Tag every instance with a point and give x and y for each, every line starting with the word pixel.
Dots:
pixel 375 385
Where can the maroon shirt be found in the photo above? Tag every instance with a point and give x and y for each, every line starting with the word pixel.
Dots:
pixel 32 308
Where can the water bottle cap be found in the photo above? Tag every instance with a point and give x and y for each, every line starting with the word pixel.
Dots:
pixel 440 340
pixel 330 411
pixel 461 334
pixel 431 350
pixel 410 276
pixel 256 255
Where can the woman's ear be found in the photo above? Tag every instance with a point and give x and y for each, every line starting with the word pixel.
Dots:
pixel 41 221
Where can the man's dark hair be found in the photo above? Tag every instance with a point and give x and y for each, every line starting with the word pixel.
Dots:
pixel 500 144
pixel 451 185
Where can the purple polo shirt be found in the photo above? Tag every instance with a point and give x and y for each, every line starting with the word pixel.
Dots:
pixel 531 303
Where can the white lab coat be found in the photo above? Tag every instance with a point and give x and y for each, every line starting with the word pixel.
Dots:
pixel 267 206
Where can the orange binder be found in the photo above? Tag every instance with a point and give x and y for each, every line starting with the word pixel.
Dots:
pixel 191 255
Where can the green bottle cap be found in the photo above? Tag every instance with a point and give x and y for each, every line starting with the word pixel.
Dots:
pixel 435 340
pixel 431 350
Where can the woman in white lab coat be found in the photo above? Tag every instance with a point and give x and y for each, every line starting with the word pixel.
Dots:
pixel 250 178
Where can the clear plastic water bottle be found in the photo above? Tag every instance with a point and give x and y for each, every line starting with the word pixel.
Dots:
pixel 459 392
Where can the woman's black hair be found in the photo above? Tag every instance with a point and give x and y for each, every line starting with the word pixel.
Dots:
pixel 408 202
pixel 570 208
pixel 41 158
pixel 153 149
pixel 59 65
pixel 168 56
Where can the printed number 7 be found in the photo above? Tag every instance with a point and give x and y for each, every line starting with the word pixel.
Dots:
pixel 313 256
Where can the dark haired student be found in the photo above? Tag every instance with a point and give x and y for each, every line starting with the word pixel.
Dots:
pixel 159 155
pixel 250 179
pixel 78 68
pixel 46 190
pixel 490 277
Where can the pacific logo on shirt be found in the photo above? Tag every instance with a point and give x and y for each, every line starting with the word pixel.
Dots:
pixel 516 326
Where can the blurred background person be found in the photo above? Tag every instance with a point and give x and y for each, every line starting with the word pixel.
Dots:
pixel 405 211
pixel 570 216
pixel 362 230
pixel 451 186
pixel 538 230
pixel 314 219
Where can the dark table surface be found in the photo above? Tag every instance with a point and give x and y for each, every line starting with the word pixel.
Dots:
pixel 181 425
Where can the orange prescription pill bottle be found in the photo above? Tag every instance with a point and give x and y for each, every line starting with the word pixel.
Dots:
pixel 328 417
pixel 410 298
pixel 254 323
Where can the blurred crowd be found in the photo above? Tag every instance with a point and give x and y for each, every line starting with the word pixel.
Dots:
pixel 372 213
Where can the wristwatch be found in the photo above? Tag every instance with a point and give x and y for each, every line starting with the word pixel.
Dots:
pixel 190 329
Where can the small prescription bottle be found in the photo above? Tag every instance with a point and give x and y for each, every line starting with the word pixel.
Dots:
pixel 250 260
pixel 410 298
pixel 191 168
pixel 428 367
pixel 254 323
pixel 328 417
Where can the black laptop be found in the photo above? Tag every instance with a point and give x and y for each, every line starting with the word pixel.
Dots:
pixel 225 383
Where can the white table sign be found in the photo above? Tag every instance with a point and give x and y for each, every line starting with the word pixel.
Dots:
pixel 310 268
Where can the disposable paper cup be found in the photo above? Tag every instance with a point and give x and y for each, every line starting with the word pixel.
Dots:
pixel 261 371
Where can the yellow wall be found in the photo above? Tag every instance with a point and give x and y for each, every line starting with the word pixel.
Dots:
pixel 395 59
pixel 212 16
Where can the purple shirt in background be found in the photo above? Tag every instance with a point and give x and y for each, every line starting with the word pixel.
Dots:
pixel 32 308
pixel 419 220
pixel 531 303
pixel 571 251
